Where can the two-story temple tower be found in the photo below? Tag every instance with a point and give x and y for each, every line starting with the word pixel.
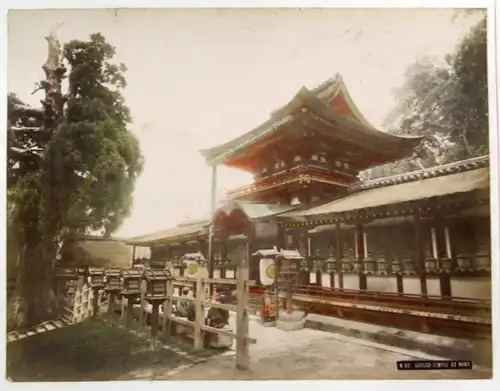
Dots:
pixel 312 149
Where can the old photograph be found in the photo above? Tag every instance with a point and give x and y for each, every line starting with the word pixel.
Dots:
pixel 249 194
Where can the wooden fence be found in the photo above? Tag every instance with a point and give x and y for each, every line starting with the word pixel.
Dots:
pixel 168 321
pixel 83 303
pixel 201 303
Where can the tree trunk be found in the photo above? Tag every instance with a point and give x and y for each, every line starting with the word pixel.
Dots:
pixel 33 300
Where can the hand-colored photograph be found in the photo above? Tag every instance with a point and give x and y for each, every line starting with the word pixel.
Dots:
pixel 249 194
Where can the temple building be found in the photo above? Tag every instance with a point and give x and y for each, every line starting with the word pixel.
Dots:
pixel 424 232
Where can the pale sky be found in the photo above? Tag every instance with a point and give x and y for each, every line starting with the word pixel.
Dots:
pixel 197 78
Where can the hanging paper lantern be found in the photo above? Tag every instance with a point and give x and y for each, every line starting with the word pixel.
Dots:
pixel 267 271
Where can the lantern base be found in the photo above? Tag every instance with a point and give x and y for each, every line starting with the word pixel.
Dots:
pixel 291 322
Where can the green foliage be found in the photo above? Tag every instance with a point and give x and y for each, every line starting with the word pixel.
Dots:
pixel 91 159
pixel 448 104
pixel 100 158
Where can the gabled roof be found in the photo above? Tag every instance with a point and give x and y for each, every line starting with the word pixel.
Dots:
pixel 189 229
pixel 331 101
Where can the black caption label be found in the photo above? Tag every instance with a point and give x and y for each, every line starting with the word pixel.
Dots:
pixel 433 365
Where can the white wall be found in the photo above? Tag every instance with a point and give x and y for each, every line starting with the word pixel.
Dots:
pixel 325 280
pixel 351 281
pixel 477 288
pixel 381 283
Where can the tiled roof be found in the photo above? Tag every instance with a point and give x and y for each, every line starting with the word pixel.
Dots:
pixel 451 168
pixel 458 182
pixel 179 232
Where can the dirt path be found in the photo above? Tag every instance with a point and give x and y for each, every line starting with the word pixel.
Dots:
pixel 306 355
pixel 320 359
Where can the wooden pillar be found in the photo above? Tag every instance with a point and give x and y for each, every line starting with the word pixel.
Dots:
pixel 133 255
pixel 298 241
pixel 167 311
pixel 213 195
pixel 242 319
pixel 399 283
pixel 441 249
pixel 282 245
pixel 339 248
pixel 199 313
pixel 202 247
pixel 309 243
pixel 420 256
pixel 360 254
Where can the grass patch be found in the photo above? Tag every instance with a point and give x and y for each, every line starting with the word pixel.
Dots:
pixel 91 350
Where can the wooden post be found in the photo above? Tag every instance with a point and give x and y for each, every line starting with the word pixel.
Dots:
pixel 282 238
pixel 111 302
pixel 289 305
pixel 167 310
pixel 200 314
pixel 122 305
pixel 360 255
pixel 213 192
pixel 399 283
pixel 340 251
pixel 143 315
pixel 420 256
pixel 242 320
pixel 95 303
pixel 276 286
pixel 154 320
pixel 130 313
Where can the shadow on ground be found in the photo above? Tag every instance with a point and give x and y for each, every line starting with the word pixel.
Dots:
pixel 89 351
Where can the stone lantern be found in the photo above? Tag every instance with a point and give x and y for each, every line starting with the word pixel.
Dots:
pixel 464 263
pixel 330 265
pixel 96 277
pixel 156 293
pixel 289 265
pixel 113 283
pixel 64 279
pixel 409 265
pixel 113 286
pixel 382 266
pixel 369 265
pixel 131 290
pixel 96 282
pixel 483 259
